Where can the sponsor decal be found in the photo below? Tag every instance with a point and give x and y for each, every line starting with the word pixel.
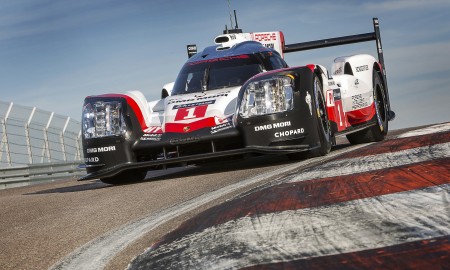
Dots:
pixel 153 129
pixel 358 102
pixel 362 68
pixel 196 104
pixel 223 94
pixel 101 149
pixel 308 101
pixel 264 37
pixel 356 83
pixel 192 47
pixel 331 83
pixel 274 125
pixel 91 160
pixel 221 127
pixel 151 137
pixel 337 94
pixel 198 97
pixel 186 128
pixel 191 50
pixel 219 120
pixel 269 45
pixel 179 101
pixel 289 132
pixel 184 140
pixel 191 113
pixel 337 71
pixel 330 98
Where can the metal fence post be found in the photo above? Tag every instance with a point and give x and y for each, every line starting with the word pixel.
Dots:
pixel 4 141
pixel 27 137
pixel 46 149
pixel 78 144
pixel 63 147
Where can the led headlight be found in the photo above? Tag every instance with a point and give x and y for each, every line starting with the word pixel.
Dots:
pixel 267 96
pixel 101 119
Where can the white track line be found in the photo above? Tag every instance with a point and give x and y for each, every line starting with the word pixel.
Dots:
pixel 427 130
pixel 306 233
pixel 375 162
pixel 98 252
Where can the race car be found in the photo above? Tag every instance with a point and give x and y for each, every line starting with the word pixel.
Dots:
pixel 236 99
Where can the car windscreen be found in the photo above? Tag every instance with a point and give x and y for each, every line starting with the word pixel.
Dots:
pixel 216 73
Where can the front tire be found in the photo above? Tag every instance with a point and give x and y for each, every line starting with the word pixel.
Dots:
pixel 323 125
pixel 379 131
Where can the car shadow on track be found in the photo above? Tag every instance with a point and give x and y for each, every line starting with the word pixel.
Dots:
pixel 190 171
pixel 91 185
pixel 224 166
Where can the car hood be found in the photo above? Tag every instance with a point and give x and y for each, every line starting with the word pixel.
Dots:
pixel 189 112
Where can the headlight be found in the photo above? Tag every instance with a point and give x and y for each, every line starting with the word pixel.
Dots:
pixel 101 119
pixel 267 96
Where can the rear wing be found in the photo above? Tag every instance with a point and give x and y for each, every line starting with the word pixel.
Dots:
pixel 373 36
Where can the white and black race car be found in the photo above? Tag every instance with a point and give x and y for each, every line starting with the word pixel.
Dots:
pixel 235 99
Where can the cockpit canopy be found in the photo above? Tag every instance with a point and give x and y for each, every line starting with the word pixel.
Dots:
pixel 223 72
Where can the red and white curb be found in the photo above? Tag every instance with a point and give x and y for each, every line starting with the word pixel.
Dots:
pixel 386 205
pixel 97 253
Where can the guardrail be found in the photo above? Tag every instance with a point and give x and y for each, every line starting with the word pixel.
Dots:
pixel 26 175
pixel 36 145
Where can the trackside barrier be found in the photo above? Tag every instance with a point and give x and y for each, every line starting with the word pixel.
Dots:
pixel 26 175
pixel 37 145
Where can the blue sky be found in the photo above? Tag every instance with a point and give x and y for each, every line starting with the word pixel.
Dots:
pixel 53 53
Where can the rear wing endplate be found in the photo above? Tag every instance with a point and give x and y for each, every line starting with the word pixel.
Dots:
pixel 375 35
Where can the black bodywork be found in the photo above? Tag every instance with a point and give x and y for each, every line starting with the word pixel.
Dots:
pixel 287 132
pixel 249 136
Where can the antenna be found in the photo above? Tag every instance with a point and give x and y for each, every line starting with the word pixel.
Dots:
pixel 229 11
pixel 233 29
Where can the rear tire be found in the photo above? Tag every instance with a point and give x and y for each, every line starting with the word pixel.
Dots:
pixel 323 125
pixel 125 177
pixel 379 131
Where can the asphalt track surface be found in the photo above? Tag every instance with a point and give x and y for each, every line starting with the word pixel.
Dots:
pixel 384 205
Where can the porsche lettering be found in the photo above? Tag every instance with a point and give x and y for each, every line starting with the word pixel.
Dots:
pixel 265 36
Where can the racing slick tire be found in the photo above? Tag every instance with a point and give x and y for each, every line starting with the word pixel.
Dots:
pixel 323 125
pixel 379 131
pixel 125 177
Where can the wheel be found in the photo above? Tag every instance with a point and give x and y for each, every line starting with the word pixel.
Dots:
pixel 379 131
pixel 125 177
pixel 323 125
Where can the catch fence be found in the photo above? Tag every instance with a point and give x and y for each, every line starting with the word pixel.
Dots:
pixel 37 144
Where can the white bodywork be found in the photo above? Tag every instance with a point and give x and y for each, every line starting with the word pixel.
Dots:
pixel 355 94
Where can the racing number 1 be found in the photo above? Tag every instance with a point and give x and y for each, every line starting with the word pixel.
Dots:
pixel 191 113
